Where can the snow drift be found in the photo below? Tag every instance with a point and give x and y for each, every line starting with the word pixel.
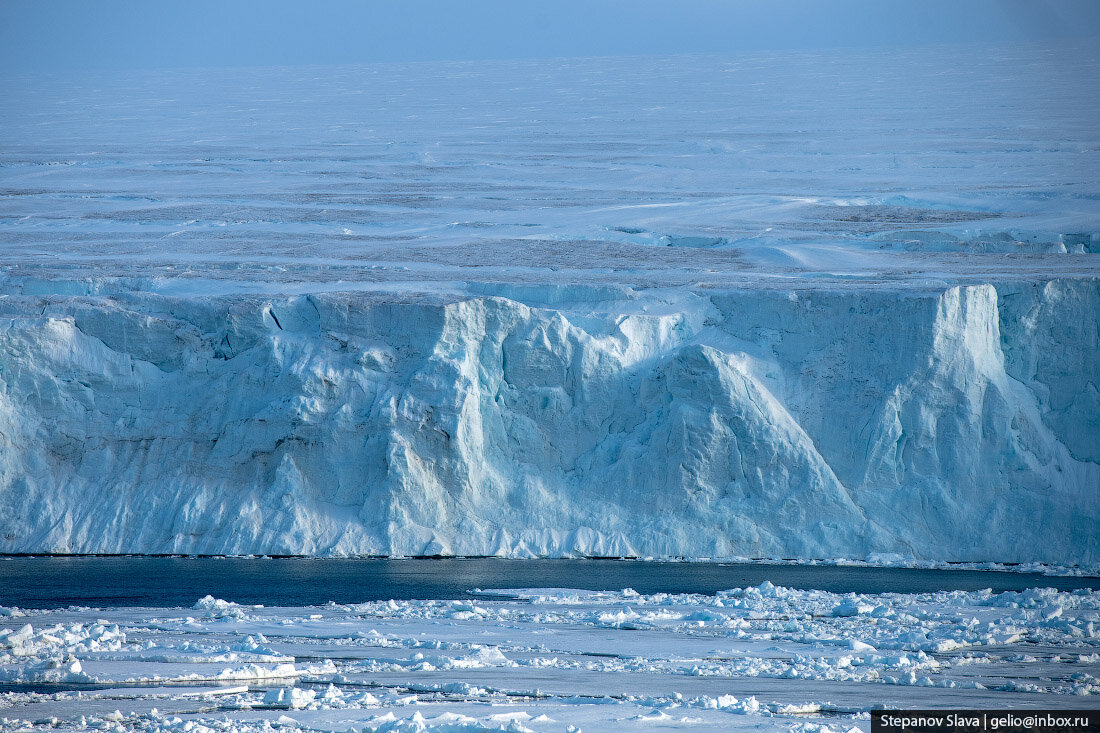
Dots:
pixel 961 424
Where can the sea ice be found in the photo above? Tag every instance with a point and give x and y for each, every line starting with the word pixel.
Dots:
pixel 552 659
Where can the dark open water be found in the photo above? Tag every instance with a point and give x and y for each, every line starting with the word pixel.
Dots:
pixel 52 582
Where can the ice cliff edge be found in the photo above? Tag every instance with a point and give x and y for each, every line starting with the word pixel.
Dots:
pixel 961 424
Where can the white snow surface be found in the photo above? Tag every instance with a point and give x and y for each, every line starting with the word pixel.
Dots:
pixel 828 305
pixel 758 658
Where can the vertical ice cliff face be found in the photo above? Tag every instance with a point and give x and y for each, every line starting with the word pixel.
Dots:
pixel 962 445
pixel 914 404
pixel 1050 346
pixel 957 425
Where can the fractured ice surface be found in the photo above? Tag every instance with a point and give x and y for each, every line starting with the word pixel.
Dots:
pixel 764 657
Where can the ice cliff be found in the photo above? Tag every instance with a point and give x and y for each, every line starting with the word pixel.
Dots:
pixel 949 424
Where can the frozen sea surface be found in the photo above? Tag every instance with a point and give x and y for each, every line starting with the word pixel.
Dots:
pixel 755 658
pixel 819 305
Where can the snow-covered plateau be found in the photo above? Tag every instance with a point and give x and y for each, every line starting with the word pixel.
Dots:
pixel 804 305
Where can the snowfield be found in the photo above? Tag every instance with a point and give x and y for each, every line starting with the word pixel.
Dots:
pixel 753 658
pixel 802 305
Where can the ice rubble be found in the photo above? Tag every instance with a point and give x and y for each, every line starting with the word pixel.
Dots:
pixel 550 658
pixel 959 423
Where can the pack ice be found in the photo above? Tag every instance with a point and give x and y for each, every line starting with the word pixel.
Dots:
pixel 797 306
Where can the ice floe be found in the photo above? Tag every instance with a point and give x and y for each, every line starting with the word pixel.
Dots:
pixel 548 659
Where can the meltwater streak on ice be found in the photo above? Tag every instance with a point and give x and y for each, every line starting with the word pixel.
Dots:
pixel 805 306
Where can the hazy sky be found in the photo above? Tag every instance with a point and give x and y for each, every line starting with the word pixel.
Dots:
pixel 72 35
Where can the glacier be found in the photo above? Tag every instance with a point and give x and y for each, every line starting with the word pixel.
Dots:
pixel 826 305
pixel 960 424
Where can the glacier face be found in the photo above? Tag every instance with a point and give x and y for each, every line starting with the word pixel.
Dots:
pixel 960 423
pixel 800 305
